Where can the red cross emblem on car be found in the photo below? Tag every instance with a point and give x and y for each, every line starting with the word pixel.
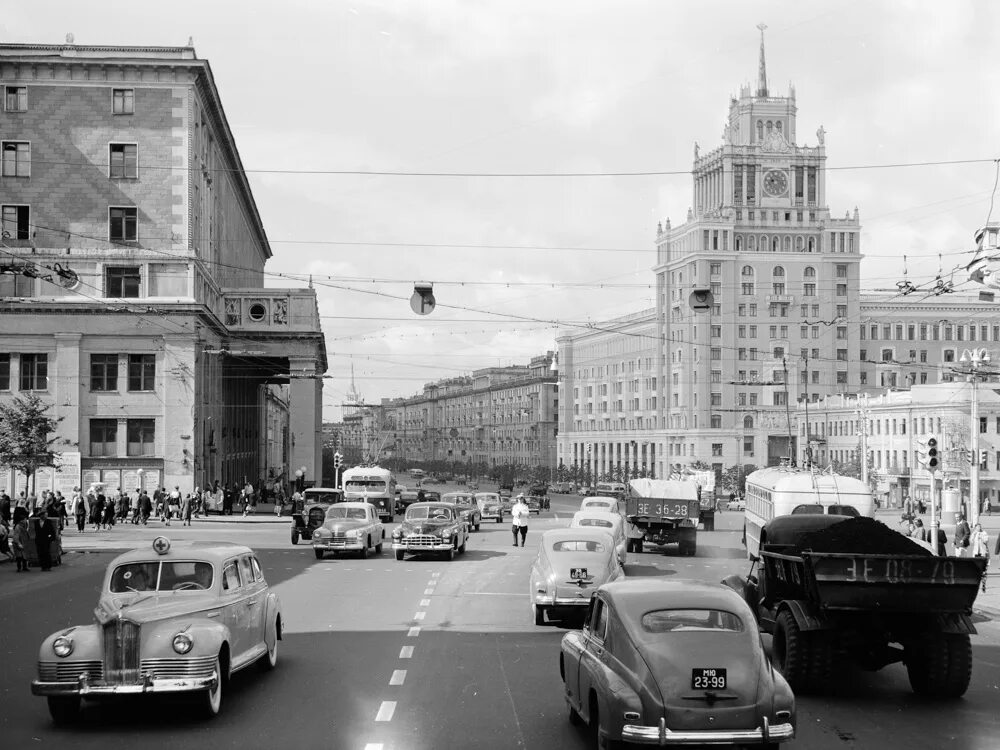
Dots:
pixel 161 545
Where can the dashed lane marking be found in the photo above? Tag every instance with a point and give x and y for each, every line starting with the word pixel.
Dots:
pixel 398 677
pixel 419 615
pixel 385 711
pixel 373 746
pixel 427 592
pixel 406 652
pixel 425 602
pixel 413 632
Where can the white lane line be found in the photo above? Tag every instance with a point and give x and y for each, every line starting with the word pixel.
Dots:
pixel 406 652
pixel 436 575
pixel 425 602
pixel 412 632
pixel 398 677
pixel 373 746
pixel 427 592
pixel 489 593
pixel 419 615
pixel 385 711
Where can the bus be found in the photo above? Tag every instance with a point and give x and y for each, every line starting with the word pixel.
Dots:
pixel 417 475
pixel 371 484
pixel 784 490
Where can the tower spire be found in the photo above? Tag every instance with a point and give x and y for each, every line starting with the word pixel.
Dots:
pixel 762 67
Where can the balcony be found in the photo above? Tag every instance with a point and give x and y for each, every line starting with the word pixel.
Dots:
pixel 781 298
pixel 271 310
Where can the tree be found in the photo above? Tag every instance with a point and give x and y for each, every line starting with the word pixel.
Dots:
pixel 25 430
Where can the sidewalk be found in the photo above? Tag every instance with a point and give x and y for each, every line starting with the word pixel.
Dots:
pixel 264 514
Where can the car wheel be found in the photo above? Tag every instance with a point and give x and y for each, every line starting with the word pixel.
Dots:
pixel 399 554
pixel 270 660
pixel 791 653
pixel 363 552
pixel 295 536
pixel 64 709
pixel 318 553
pixel 450 554
pixel 378 548
pixel 939 665
pixel 539 614
pixel 211 699
pixel 574 717
pixel 461 547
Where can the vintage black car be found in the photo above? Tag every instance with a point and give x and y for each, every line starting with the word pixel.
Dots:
pixel 430 527
pixel 310 515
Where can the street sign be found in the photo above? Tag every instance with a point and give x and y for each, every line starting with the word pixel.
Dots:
pixel 422 302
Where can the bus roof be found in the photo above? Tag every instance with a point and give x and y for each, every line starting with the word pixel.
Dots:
pixel 372 471
pixel 788 479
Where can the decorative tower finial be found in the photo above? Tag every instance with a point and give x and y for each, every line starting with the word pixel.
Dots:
pixel 762 68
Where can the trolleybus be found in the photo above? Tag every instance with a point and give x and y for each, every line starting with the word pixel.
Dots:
pixel 371 484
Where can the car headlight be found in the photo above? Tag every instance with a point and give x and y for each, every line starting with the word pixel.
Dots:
pixel 445 533
pixel 397 533
pixel 183 643
pixel 353 533
pixel 62 646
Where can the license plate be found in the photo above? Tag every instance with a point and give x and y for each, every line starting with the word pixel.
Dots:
pixel 577 574
pixel 708 678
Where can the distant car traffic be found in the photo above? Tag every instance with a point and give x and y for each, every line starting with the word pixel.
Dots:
pixel 534 504
pixel 170 620
pixel 430 527
pixel 670 663
pixel 349 527
pixel 467 507
pixel 609 504
pixel 738 504
pixel 491 506
pixel 570 565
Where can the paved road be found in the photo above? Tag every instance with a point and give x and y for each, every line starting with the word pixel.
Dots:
pixel 424 654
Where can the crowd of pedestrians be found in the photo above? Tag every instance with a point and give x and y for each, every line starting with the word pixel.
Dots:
pixel 31 529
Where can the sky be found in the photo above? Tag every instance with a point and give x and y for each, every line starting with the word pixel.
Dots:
pixel 543 90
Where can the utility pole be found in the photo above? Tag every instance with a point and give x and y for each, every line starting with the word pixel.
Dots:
pixel 976 359
pixel 862 414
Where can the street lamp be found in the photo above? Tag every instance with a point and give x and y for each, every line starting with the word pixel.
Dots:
pixel 976 359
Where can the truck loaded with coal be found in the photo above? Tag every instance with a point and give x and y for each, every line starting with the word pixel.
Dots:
pixel 831 589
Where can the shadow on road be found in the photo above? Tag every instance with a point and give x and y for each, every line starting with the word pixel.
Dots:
pixel 639 571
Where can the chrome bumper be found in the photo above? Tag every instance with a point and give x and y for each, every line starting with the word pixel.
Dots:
pixel 332 545
pixel 661 736
pixel 548 600
pixel 86 689
pixel 407 547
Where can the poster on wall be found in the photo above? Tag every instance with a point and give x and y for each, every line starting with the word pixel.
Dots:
pixel 112 479
pixel 151 480
pixel 5 480
pixel 43 480
pixel 130 479
pixel 67 473
pixel 90 477
pixel 20 483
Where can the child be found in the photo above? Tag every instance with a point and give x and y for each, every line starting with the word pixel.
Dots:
pixel 19 541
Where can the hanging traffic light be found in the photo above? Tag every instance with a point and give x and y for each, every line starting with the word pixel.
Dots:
pixel 932 454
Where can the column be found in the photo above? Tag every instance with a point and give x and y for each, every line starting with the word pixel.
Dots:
pixel 175 381
pixel 305 415
pixel 64 378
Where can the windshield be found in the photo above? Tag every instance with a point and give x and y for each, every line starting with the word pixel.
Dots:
pixel 338 511
pixel 322 497
pixel 429 512
pixel 372 485
pixel 674 620
pixel 596 504
pixel 577 545
pixel 594 522
pixel 165 576
pixel 459 499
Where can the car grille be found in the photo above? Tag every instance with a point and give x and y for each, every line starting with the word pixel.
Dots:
pixel 337 540
pixel 422 540
pixel 121 652
pixel 167 669
pixel 69 671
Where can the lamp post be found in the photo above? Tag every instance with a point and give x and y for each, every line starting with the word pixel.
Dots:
pixel 862 414
pixel 975 359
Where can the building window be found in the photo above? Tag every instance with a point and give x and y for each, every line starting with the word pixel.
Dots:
pixel 842 311
pixel 779 398
pixel 778 288
pixel 142 372
pixel 121 281
pixel 123 224
pixel 841 377
pixel 747 289
pixel 716 332
pixel 4 372
pixel 748 446
pixel 124 160
pixel 715 268
pixel 16 223
pixel 103 437
pixel 16 159
pixel 841 271
pixel 842 355
pixel 716 354
pixel 141 434
pixel 716 449
pixel 15 98
pixel 123 101
pixel 809 290
pixel 716 399
pixel 104 372
pixel 34 372
pixel 841 290
pixel 716 422
pixel 841 332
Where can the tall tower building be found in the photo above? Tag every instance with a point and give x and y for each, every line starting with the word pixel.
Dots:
pixel 784 278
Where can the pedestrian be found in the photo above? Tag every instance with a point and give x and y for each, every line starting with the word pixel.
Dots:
pixel 519 513
pixel 248 499
pixel 19 539
pixel 174 503
pixel 79 508
pixel 962 535
pixel 228 497
pixel 420 495
pixel 145 507
pixel 96 508
pixel 186 507
pixel 134 505
pixel 981 548
pixel 6 508
pixel 279 502
pixel 44 536
pixel 109 512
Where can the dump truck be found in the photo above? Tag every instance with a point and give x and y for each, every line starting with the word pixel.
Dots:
pixel 833 589
pixel 661 512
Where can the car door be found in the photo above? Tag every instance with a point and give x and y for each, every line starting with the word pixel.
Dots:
pixel 573 645
pixel 233 607
pixel 592 656
pixel 375 526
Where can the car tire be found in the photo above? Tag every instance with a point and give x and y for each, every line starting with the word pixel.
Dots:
pixel 363 552
pixel 574 718
pixel 64 709
pixel 211 699
pixel 939 665
pixel 450 554
pixel 295 536
pixel 270 660
pixel 399 554
pixel 378 548
pixel 791 651
pixel 318 553
pixel 538 613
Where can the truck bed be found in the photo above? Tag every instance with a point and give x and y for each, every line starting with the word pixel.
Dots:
pixel 867 582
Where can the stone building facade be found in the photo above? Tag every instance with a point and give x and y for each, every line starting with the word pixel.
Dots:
pixel 132 285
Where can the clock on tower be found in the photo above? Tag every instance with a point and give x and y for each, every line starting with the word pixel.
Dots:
pixel 775 182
